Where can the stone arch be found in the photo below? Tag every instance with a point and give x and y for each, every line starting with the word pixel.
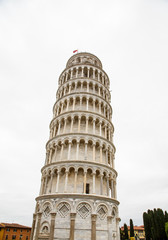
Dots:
pixel 102 211
pixel 63 209
pixel 45 228
pixel 84 209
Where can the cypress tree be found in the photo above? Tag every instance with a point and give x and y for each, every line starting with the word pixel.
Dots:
pixel 131 228
pixel 125 231
pixel 166 217
pixel 161 223
pixel 154 224
pixel 121 235
pixel 147 226
pixel 166 229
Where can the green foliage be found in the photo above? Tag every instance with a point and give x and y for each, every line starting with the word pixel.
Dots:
pixel 125 231
pixel 166 217
pixel 154 224
pixel 131 228
pixel 166 228
pixel 122 235
pixel 147 226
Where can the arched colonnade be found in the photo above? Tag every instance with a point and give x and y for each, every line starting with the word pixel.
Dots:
pixel 83 102
pixel 70 179
pixel 80 148
pixel 81 123
pixel 84 72
pixel 83 86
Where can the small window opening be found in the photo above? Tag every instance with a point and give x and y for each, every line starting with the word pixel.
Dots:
pixel 87 188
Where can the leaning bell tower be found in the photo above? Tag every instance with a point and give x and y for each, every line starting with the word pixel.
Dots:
pixel 78 197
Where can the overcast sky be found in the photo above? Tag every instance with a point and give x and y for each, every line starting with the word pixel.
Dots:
pixel 130 37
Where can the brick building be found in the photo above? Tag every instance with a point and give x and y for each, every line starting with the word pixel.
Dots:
pixel 14 231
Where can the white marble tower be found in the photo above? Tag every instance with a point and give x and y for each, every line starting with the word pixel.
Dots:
pixel 78 199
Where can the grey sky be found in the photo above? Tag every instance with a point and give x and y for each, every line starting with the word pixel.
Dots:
pixel 37 37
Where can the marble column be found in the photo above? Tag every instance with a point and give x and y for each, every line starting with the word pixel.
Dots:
pixel 86 144
pixel 112 189
pixel 66 181
pixel 84 182
pixel 59 126
pixel 65 121
pixel 87 104
pixel 57 184
pixel 42 184
pixel 101 155
pixel 100 125
pixel 94 182
pixel 73 104
pixel 55 157
pixel 62 107
pixel 107 178
pixel 77 72
pixel 67 105
pixel 94 120
pixel 101 184
pixel 93 227
pixel 94 145
pixel 38 225
pixel 94 104
pixel 52 225
pixel 62 148
pixel 88 72
pixel 87 124
pixel 115 192
pixel 79 122
pixel 106 156
pixel 33 226
pixel 93 73
pixel 75 182
pixel 99 91
pixel 105 131
pixel 51 180
pixel 87 87
pixel 109 226
pixel 100 107
pixel 71 74
pixel 72 226
pixel 51 150
pixel 70 88
pixel 71 125
pixel 69 150
pixel 77 150
pixel 45 184
pixel 82 71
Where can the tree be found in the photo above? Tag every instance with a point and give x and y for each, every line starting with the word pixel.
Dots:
pixel 166 229
pixel 125 231
pixel 147 226
pixel 166 217
pixel 131 228
pixel 154 223
pixel 121 235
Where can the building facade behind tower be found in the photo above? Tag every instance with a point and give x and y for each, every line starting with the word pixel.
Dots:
pixel 78 198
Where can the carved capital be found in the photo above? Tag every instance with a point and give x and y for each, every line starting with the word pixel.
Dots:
pixel 94 217
pixel 53 214
pixel 73 216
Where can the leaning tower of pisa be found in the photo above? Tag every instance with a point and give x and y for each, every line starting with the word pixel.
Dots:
pixel 78 199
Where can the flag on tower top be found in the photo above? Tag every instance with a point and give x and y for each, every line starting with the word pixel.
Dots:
pixel 75 51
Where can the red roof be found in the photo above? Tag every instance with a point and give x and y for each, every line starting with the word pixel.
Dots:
pixel 135 228
pixel 13 225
